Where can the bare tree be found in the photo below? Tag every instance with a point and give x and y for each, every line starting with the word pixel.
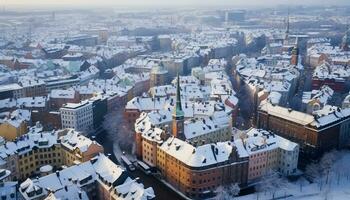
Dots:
pixel 272 182
pixel 313 172
pixel 227 192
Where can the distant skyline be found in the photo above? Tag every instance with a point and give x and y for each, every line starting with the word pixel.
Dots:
pixel 166 2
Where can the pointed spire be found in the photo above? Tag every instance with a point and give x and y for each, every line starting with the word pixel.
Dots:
pixel 287 30
pixel 178 112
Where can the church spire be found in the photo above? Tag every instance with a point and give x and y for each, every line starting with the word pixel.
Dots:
pixel 178 115
pixel 295 52
pixel 178 112
pixel 287 30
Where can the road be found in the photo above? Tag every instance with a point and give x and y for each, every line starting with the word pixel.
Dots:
pixel 245 103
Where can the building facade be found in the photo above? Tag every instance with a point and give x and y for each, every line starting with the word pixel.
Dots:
pixel 30 152
pixel 198 171
pixel 78 116
pixel 315 134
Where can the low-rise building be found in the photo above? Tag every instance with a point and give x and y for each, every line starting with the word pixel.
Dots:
pixel 98 178
pixel 50 120
pixel 198 171
pixel 334 76
pixel 315 133
pixel 33 87
pixel 27 154
pixel 268 151
pixel 11 91
pixel 30 103
pixel 14 124
pixel 60 97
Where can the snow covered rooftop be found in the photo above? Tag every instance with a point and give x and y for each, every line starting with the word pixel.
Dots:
pixel 26 102
pixel 258 140
pixel 65 94
pixel 10 87
pixel 285 113
pixel 321 118
pixel 201 156
pixel 75 140
pixel 70 181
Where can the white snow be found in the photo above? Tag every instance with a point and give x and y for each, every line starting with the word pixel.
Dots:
pixel 337 187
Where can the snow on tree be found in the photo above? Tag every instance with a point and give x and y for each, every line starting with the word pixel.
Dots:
pixel 313 172
pixel 272 182
pixel 227 192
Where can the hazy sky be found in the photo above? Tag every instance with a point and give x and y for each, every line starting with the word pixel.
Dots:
pixel 172 2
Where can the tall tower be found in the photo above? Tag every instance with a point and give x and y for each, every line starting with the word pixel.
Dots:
pixel 178 115
pixel 286 37
pixel 295 54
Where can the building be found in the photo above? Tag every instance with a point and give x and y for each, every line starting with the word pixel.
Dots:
pixel 8 189
pixel 272 74
pixel 137 105
pixel 33 87
pixel 28 103
pixel 197 131
pixel 61 83
pixel 316 99
pixel 189 146
pixel 198 171
pixel 50 120
pixel 28 153
pixel 217 93
pixel 235 16
pixel 178 129
pixel 98 178
pixel 55 51
pixel 295 55
pixel 83 40
pixel 15 124
pixel 78 148
pixel 268 151
pixel 78 116
pixel 315 134
pixel 99 110
pixel 334 76
pixel 165 42
pixel 60 97
pixel 158 76
pixel 11 91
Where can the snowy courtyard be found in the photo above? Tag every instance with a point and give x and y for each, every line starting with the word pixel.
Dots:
pixel 327 180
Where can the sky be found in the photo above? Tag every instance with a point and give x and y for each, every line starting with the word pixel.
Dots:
pixel 171 2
